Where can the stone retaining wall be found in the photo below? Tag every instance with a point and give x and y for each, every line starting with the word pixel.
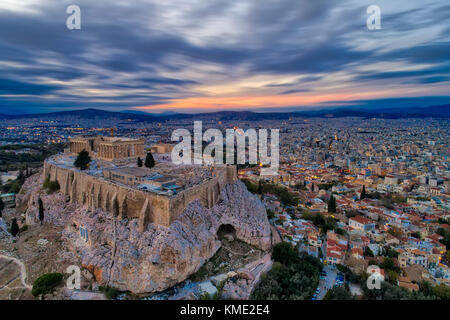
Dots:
pixel 97 192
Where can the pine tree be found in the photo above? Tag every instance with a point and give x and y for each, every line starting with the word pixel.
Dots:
pixel 149 161
pixel 363 193
pixel 41 210
pixel 332 204
pixel 260 187
pixel 139 162
pixel 2 206
pixel 14 227
pixel 82 160
pixel 21 177
pixel 116 207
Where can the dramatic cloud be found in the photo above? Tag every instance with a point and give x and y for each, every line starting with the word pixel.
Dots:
pixel 219 54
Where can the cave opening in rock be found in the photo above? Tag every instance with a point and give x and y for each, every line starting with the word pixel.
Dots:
pixel 226 231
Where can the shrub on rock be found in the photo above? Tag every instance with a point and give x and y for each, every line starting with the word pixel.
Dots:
pixel 46 283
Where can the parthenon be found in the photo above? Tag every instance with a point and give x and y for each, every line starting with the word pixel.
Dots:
pixel 108 148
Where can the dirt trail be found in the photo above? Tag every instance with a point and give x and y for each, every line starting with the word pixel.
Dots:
pixel 23 271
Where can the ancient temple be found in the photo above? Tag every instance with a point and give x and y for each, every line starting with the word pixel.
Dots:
pixel 108 148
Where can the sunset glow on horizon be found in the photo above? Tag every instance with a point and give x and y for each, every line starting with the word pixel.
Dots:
pixel 261 102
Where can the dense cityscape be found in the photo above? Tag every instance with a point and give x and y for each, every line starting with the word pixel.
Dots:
pixel 352 192
pixel 217 159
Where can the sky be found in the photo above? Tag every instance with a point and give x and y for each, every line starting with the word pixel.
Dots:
pixel 201 56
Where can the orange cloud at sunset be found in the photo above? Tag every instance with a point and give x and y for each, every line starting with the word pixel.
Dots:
pixel 259 102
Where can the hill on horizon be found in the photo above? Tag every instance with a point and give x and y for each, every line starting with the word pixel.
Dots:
pixel 441 111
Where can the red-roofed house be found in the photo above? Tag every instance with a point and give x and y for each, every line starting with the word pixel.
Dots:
pixel 361 223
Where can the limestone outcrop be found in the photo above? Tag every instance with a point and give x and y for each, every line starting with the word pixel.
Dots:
pixel 120 256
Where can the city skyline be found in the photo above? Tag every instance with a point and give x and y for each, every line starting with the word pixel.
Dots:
pixel 205 57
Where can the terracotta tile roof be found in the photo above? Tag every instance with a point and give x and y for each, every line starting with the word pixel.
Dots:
pixel 362 220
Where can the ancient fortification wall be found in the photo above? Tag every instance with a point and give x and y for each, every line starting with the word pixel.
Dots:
pixel 96 192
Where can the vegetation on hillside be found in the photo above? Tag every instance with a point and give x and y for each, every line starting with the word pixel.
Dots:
pixel 51 186
pixel 292 277
pixel 11 161
pixel 320 221
pixel 263 187
pixel 46 283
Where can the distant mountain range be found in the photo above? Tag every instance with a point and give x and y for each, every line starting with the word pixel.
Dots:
pixel 442 111
pixel 160 114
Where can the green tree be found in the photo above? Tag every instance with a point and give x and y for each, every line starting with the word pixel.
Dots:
pixel 46 283
pixel 442 291
pixel 83 159
pixel 21 177
pixel 368 252
pixel 14 187
pixel 338 293
pixel 41 210
pixel 250 186
pixel 116 207
pixel 446 235
pixel 300 186
pixel 295 281
pixel 284 253
pixel 330 224
pixel 332 204
pixel 392 276
pixel 14 227
pixel 110 293
pixel 2 206
pixel 149 160
pixel 388 263
pixel 426 288
pixel 391 253
pixel 139 162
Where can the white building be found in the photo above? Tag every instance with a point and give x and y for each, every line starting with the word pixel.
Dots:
pixel 361 223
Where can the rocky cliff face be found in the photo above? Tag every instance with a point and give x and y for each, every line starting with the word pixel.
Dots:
pixel 120 256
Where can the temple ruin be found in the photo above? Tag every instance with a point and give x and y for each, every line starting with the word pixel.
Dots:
pixel 158 195
pixel 115 149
